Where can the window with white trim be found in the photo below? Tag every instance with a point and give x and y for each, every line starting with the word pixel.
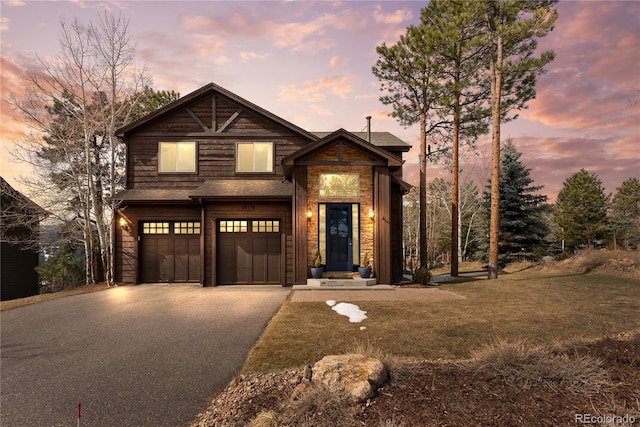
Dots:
pixel 177 156
pixel 254 157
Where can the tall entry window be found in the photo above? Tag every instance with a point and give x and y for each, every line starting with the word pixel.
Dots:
pixel 339 235
pixel 254 157
pixel 177 157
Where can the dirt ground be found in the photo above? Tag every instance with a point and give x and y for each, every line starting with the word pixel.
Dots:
pixel 448 394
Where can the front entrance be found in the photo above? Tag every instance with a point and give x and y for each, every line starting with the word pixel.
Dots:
pixel 339 235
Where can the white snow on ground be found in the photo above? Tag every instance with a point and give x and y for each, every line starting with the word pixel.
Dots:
pixel 352 311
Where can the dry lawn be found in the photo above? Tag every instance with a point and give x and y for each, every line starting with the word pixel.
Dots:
pixel 538 305
pixel 534 348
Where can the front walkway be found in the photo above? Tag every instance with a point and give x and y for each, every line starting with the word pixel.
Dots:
pixel 396 294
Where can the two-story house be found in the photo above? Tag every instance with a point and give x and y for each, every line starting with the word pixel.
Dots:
pixel 221 191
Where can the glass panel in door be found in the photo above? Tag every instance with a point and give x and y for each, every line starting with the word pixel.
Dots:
pixel 339 238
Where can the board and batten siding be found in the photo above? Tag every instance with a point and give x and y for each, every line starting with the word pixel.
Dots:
pixel 216 149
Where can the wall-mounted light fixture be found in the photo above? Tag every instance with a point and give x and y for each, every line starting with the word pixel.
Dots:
pixel 124 224
pixel 371 214
pixel 309 214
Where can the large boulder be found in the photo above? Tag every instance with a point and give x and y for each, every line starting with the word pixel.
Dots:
pixel 357 375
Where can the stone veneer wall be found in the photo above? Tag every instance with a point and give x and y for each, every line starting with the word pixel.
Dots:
pixel 365 199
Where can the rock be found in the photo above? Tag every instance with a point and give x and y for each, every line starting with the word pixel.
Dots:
pixel 357 375
pixel 300 389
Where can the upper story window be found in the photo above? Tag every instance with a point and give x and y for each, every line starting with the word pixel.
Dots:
pixel 254 157
pixel 177 157
pixel 339 185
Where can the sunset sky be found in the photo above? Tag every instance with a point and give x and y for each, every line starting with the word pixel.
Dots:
pixel 310 63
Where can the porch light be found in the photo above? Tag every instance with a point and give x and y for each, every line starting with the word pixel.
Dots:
pixel 371 214
pixel 309 214
pixel 123 223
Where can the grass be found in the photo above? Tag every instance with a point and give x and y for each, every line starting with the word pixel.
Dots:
pixel 535 305
pixel 21 302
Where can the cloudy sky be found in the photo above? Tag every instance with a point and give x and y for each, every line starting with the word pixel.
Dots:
pixel 310 63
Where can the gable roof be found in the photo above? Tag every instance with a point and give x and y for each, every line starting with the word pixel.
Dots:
pixel 288 161
pixel 209 89
pixel 379 139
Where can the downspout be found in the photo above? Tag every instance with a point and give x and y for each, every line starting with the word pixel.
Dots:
pixel 203 233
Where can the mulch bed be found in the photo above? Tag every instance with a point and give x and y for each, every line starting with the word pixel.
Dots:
pixel 450 394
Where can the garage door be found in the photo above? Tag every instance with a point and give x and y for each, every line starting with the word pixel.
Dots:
pixel 249 252
pixel 170 251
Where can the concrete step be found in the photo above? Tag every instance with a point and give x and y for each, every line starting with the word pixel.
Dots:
pixel 355 282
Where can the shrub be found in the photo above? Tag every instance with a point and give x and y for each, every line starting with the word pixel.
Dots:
pixel 422 275
pixel 518 363
pixel 62 271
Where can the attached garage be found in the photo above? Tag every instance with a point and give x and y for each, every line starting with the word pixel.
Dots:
pixel 170 251
pixel 249 251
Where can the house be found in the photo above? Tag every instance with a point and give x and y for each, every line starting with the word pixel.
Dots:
pixel 221 191
pixel 19 241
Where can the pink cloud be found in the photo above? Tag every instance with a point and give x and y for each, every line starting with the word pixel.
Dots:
pixel 397 17
pixel 335 61
pixel 590 90
pixel 317 90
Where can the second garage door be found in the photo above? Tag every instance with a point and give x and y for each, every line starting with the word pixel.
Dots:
pixel 249 252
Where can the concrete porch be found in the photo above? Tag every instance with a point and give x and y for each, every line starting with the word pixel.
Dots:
pixel 342 280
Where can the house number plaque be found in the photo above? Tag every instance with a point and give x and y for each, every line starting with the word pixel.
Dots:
pixel 248 208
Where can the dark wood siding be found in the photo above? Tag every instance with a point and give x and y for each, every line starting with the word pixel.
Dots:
pixel 216 150
pixel 382 240
pixel 299 265
pixel 397 257
pixel 19 279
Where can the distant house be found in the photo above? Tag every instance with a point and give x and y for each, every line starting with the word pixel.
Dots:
pixel 221 191
pixel 19 238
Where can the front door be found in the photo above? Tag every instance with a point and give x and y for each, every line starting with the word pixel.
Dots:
pixel 339 237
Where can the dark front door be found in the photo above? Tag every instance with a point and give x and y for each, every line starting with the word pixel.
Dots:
pixel 339 240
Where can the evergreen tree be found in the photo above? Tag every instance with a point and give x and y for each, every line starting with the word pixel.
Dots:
pixel 581 211
pixel 522 227
pixel 625 212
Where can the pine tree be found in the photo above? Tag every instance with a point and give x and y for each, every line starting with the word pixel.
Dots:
pixel 625 212
pixel 522 227
pixel 581 211
pixel 513 29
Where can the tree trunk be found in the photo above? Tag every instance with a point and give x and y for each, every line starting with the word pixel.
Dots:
pixel 423 191
pixel 496 92
pixel 455 210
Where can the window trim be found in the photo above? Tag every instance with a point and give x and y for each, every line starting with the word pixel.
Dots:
pixel 196 154
pixel 253 172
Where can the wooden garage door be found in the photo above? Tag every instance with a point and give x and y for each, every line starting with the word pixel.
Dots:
pixel 170 251
pixel 249 252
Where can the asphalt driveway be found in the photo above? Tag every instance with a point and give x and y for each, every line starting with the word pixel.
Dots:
pixel 144 355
